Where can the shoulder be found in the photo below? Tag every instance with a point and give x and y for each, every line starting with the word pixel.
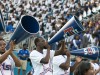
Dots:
pixel 45 50
pixel 59 57
pixel 52 50
pixel 34 52
pixel 26 51
pixel 20 50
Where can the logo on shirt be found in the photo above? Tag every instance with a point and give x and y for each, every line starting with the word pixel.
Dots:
pixel 6 67
pixel 45 71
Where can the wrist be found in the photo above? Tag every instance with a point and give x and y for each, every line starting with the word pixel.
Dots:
pixel 68 56
pixel 9 51
pixel 48 47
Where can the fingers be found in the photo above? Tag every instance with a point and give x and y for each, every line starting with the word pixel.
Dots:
pixel 68 53
pixel 47 45
pixel 63 42
pixel 12 42
pixel 12 45
pixel 78 59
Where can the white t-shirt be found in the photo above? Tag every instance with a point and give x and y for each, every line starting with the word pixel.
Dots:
pixel 7 67
pixel 57 61
pixel 96 67
pixel 39 68
pixel 93 41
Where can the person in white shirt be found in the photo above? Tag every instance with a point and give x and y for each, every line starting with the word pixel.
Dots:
pixel 96 66
pixel 7 59
pixel 41 58
pixel 93 40
pixel 61 64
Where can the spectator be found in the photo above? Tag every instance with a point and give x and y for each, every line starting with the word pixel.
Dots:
pixel 84 42
pixel 94 40
pixel 9 27
pixel 23 55
pixel 76 43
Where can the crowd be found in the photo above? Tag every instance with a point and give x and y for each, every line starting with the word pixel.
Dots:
pixel 54 14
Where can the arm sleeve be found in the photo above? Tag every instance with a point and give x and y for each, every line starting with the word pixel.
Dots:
pixel 57 60
pixel 19 52
pixel 75 43
pixel 36 57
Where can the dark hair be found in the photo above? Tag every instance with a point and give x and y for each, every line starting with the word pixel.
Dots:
pixel 36 40
pixel 59 45
pixel 24 45
pixel 76 36
pixel 82 68
pixel 1 38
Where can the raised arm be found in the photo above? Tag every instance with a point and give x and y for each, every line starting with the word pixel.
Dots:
pixel 16 60
pixel 45 60
pixel 65 65
pixel 61 49
pixel 4 56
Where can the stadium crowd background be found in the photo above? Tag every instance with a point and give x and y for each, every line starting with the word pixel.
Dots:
pixel 54 14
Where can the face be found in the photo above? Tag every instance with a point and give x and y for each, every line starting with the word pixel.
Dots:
pixel 25 46
pixel 90 71
pixel 41 43
pixel 2 46
pixel 77 37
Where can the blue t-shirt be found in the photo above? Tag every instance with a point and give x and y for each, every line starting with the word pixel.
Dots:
pixel 9 28
pixel 23 53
